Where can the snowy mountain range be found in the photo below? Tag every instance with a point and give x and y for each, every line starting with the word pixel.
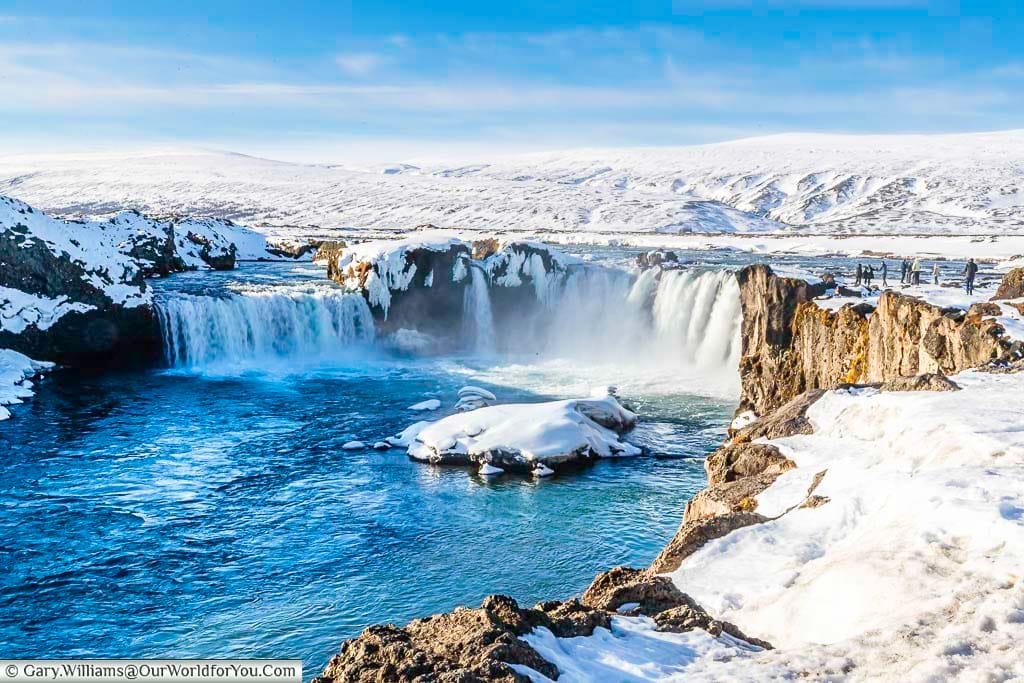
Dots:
pixel 934 184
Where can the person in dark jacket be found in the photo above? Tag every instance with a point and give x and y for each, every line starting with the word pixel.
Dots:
pixel 869 274
pixel 860 274
pixel 904 271
pixel 970 270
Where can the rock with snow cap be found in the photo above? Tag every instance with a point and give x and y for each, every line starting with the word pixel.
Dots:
pixel 519 437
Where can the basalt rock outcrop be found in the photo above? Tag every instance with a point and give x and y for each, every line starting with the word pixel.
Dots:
pixel 75 292
pixel 791 345
pixel 421 284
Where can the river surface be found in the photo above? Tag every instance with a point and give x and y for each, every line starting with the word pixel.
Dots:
pixel 208 509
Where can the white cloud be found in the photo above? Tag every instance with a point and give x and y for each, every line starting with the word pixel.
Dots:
pixel 360 64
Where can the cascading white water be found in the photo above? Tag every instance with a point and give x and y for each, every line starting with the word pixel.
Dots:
pixel 697 317
pixel 667 319
pixel 477 314
pixel 261 323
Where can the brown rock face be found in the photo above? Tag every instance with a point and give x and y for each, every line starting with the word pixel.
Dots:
pixel 328 252
pixel 477 645
pixel 791 345
pixel 738 460
pixel 657 597
pixel 909 337
pixel 788 420
pixel 464 646
pixel 1012 286
pixel 694 534
pixel 926 382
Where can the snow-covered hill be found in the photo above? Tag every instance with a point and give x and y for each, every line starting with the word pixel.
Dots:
pixel 971 183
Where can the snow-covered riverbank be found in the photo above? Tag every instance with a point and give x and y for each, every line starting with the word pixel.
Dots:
pixel 910 569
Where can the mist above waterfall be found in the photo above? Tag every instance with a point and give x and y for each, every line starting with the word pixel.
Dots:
pixel 670 326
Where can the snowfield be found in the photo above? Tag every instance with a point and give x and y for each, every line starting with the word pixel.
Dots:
pixel 911 571
pixel 823 184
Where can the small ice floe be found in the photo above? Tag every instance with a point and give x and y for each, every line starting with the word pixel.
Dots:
pixel 489 470
pixel 353 446
pixel 429 404
pixel 471 390
pixel 542 470
pixel 627 607
pixel 381 446
pixel 473 398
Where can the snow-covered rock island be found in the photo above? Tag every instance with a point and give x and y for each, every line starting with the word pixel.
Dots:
pixel 531 437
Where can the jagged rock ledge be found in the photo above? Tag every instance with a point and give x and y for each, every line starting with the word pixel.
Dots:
pixel 791 345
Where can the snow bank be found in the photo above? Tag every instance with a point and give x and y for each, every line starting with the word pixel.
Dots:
pixel 15 373
pixel 911 569
pixel 524 435
pixel 94 249
pixel 19 310
pixel 632 650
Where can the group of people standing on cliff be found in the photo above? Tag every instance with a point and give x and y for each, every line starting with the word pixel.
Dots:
pixel 910 273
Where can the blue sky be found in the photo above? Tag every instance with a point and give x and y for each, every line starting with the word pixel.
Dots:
pixel 327 81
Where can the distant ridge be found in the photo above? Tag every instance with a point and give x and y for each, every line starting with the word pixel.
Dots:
pixel 841 184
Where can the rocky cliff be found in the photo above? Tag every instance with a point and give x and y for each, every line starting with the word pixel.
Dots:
pixel 790 344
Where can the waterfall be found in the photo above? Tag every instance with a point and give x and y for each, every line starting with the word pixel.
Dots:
pixel 670 319
pixel 261 324
pixel 696 317
pixel 478 317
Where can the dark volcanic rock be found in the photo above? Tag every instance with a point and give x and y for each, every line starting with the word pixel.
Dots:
pixel 108 333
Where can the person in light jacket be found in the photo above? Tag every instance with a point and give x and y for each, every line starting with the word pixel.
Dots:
pixel 935 274
pixel 915 272
pixel 885 274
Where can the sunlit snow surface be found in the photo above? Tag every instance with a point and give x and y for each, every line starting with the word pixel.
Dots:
pixel 910 571
pixel 831 183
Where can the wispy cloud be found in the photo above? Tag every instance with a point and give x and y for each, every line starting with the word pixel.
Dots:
pixel 360 64
pixel 652 79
